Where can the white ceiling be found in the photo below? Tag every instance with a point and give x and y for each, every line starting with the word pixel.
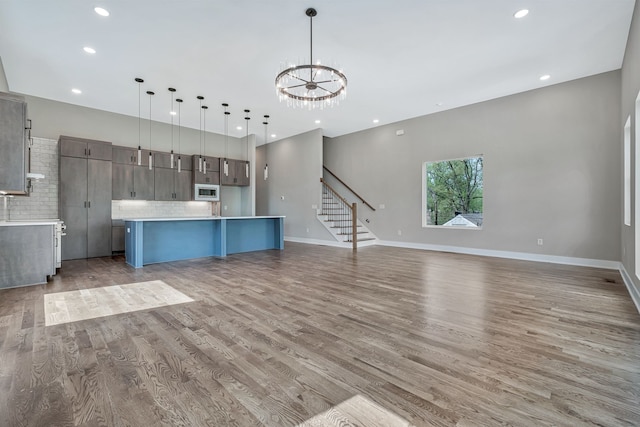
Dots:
pixel 401 57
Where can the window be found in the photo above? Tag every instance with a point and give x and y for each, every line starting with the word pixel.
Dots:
pixel 452 193
pixel 627 172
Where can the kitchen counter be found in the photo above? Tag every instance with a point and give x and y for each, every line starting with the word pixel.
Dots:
pixel 153 240
pixel 198 218
pixel 17 223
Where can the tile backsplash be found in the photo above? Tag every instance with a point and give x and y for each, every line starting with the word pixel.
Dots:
pixel 121 209
pixel 43 201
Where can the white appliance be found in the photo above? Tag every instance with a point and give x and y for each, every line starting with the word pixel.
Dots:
pixel 59 232
pixel 206 192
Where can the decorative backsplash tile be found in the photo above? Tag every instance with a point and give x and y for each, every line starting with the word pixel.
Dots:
pixel 43 201
pixel 152 209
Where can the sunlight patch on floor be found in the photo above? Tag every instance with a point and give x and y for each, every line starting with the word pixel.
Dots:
pixel 356 411
pixel 72 306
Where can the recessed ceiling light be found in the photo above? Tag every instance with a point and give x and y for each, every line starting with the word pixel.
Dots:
pixel 439 104
pixel 239 127
pixel 545 77
pixel 89 49
pixel 521 13
pixel 101 11
pixel 317 122
pixel 173 113
pixel 376 120
pixel 273 135
pixel 76 91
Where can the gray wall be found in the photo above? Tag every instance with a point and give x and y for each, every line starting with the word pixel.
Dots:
pixel 552 161
pixel 295 169
pixel 630 90
pixel 52 119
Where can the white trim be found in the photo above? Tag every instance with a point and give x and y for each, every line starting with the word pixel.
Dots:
pixel 585 262
pixel 554 259
pixel 631 287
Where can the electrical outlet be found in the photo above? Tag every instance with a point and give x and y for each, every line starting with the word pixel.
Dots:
pixel 225 207
pixel 314 206
pixel 540 242
pixel 399 232
pixel 307 229
pixel 381 206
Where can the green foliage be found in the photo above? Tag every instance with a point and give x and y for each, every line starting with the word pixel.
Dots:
pixel 453 186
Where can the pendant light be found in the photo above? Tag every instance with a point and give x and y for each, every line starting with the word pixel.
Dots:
pixel 150 93
pixel 266 146
pixel 172 113
pixel 179 101
pixel 139 81
pixel 225 166
pixel 200 98
pixel 204 139
pixel 246 166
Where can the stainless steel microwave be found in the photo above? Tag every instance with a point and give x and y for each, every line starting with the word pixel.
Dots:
pixel 206 192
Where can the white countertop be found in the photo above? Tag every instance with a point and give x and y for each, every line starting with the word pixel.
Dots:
pixel 14 223
pixel 197 218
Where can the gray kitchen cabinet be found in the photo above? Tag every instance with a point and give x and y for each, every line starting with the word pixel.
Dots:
pixel 117 235
pixel 183 186
pixel 84 148
pixel 237 174
pixel 213 171
pixel 14 144
pixel 163 183
pixel 169 183
pixel 242 177
pixel 27 254
pixel 85 201
pixel 130 181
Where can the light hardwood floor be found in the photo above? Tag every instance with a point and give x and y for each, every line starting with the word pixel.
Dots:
pixel 277 338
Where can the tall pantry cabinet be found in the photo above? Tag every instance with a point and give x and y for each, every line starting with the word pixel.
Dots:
pixel 85 197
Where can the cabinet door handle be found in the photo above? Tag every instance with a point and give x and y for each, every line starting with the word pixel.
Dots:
pixel 89 204
pixel 85 151
pixel 89 151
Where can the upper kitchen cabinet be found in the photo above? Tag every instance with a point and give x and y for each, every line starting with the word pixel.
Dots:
pixel 130 180
pixel 84 148
pixel 237 175
pixel 212 173
pixel 14 145
pixel 171 185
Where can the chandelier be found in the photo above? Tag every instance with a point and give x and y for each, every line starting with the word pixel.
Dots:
pixel 311 85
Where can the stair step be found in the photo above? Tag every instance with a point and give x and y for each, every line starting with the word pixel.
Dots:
pixel 349 234
pixel 337 226
pixel 364 239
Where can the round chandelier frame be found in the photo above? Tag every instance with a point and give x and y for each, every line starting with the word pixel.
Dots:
pixel 311 85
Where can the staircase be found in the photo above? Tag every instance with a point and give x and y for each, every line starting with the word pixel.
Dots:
pixel 336 215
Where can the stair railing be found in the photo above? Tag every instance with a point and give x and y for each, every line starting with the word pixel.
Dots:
pixel 340 212
pixel 348 188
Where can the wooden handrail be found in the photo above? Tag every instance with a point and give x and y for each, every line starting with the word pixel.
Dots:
pixel 348 188
pixel 335 193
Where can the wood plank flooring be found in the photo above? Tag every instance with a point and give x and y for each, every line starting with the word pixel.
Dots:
pixel 84 304
pixel 278 338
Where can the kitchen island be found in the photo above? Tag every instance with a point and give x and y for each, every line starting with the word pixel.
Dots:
pixel 153 240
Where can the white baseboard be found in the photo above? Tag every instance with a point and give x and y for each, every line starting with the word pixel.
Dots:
pixel 634 292
pixel 631 287
pixel 585 262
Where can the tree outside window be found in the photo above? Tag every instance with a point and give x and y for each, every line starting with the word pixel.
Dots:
pixel 453 193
